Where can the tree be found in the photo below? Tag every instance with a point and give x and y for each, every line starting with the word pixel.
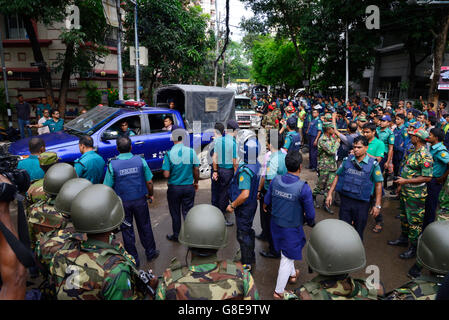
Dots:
pixel 274 63
pixel 47 12
pixel 236 65
pixel 176 39
pixel 83 47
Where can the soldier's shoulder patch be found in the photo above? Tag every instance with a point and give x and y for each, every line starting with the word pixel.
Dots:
pixel 378 173
pixel 426 164
pixel 406 134
pixel 241 178
pixel 443 154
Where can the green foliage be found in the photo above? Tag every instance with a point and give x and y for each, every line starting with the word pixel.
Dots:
pixel 46 11
pixel 87 41
pixel 274 63
pixel 113 96
pixel 176 39
pixel 237 67
pixel 93 95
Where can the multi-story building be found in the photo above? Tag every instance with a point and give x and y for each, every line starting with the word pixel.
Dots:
pixel 23 77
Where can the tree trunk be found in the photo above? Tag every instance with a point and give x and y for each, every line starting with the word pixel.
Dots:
pixel 440 46
pixel 65 78
pixel 39 59
pixel 411 74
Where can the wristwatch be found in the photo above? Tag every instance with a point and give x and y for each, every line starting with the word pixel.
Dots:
pixel 378 207
pixel 233 208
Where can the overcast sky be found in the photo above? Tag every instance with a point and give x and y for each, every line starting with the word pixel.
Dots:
pixel 236 12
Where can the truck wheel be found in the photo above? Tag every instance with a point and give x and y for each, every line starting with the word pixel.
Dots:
pixel 205 165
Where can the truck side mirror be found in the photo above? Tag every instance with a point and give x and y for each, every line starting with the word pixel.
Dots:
pixel 109 135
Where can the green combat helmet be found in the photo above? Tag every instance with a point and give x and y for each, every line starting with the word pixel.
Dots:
pixel 97 209
pixel 56 176
pixel 433 247
pixel 68 192
pixel 335 248
pixel 204 227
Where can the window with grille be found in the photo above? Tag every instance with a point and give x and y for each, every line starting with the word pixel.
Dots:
pixel 15 28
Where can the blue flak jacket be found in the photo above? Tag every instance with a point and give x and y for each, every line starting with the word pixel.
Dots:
pixel 295 141
pixel 287 210
pixel 355 183
pixel 129 178
pixel 313 130
pixel 252 170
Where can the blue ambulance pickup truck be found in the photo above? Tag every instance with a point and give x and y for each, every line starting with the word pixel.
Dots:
pixel 196 109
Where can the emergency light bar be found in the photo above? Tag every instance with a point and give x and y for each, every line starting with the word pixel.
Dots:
pixel 130 103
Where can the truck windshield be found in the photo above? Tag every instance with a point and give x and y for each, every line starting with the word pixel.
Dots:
pixel 243 104
pixel 92 120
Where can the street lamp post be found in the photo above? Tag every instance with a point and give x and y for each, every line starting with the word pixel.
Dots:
pixel 119 52
pixel 136 39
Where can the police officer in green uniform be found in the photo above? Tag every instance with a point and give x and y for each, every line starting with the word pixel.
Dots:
pixel 293 138
pixel 180 167
pixel 275 165
pixel 356 180
pixel 31 164
pixel 132 180
pixel 36 192
pixel 243 194
pixel 90 165
pixel 433 255
pixel 95 268
pixel 416 172
pixel 205 278
pixel 334 251
pixel 224 164
pixel 440 157
pixel 387 137
pixel 55 124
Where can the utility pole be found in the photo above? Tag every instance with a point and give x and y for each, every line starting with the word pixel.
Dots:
pixel 119 52
pixel 217 36
pixel 136 41
pixel 347 64
pixel 5 80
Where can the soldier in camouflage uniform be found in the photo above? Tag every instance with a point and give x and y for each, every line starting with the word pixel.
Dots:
pixel 289 112
pixel 443 211
pixel 94 267
pixel 204 232
pixel 327 164
pixel 52 241
pixel 416 171
pixel 42 216
pixel 334 250
pixel 271 119
pixel 433 254
pixel 36 192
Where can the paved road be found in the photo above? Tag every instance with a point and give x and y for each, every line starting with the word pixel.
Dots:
pixel 392 269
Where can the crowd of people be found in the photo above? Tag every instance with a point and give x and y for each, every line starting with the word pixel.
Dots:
pixel 356 148
pixel 48 118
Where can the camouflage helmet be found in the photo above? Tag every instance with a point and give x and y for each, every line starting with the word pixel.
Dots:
pixel 433 247
pixel 97 209
pixel 335 248
pixel 204 227
pixel 68 192
pixel 56 176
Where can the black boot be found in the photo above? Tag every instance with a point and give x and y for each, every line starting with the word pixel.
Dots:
pixel 414 272
pixel 410 253
pixel 401 242
pixel 315 204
